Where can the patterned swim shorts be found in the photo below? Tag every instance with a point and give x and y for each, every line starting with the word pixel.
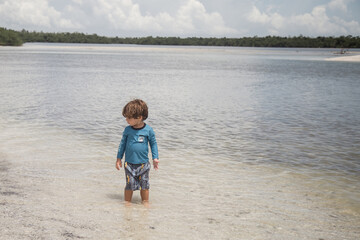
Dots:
pixel 137 176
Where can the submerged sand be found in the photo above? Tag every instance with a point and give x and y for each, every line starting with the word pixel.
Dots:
pixel 77 194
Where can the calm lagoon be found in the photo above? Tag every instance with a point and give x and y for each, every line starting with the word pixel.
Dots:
pixel 255 143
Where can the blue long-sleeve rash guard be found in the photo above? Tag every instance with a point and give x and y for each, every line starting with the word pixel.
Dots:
pixel 134 144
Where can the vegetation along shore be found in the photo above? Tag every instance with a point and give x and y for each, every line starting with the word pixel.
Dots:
pixel 10 37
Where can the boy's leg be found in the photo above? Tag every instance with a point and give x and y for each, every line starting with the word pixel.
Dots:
pixel 128 195
pixel 144 195
pixel 144 182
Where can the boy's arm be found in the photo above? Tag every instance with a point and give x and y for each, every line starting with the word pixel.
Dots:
pixel 154 149
pixel 122 146
pixel 156 164
pixel 121 151
pixel 118 164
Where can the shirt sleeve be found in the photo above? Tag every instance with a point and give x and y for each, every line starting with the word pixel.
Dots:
pixel 122 146
pixel 153 145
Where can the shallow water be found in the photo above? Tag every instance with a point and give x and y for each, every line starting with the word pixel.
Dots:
pixel 251 141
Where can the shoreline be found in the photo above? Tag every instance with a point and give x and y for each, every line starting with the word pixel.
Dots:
pixel 58 197
pixel 351 58
pixel 263 210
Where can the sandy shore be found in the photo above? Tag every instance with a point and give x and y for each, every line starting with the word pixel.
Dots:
pixel 40 206
pixel 341 58
pixel 51 190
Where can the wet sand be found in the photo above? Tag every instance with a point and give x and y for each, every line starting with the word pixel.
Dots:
pixel 341 58
pixel 79 196
pixel 47 207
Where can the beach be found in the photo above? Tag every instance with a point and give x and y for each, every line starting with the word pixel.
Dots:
pixel 80 196
pixel 254 143
pixel 340 58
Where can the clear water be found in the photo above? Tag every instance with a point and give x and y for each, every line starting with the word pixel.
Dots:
pixel 286 113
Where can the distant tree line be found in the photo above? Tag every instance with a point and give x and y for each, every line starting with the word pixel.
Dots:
pixel 10 37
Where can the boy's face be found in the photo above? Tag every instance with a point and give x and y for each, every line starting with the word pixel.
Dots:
pixel 135 122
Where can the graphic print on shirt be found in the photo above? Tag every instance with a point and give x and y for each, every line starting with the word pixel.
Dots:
pixel 141 138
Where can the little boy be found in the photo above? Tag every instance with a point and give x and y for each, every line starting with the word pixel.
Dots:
pixel 134 144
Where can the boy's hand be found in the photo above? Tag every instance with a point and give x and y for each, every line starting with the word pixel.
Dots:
pixel 118 164
pixel 156 164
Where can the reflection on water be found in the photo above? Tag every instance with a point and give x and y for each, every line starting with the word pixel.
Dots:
pixel 283 109
pixel 273 106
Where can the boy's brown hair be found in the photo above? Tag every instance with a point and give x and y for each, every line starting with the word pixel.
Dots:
pixel 135 109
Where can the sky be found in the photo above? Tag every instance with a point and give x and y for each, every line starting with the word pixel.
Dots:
pixel 185 18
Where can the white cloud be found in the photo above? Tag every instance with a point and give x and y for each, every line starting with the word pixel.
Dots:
pixel 80 2
pixel 191 18
pixel 338 5
pixel 315 23
pixel 33 13
pixel 193 15
pixel 353 27
pixel 275 20
pixel 182 17
pixel 257 17
pixel 124 15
